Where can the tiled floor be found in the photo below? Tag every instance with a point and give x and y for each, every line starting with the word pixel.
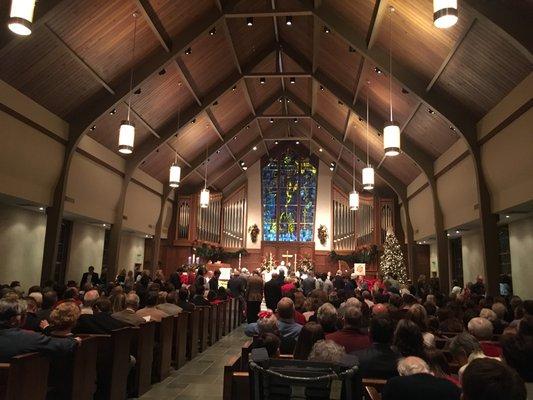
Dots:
pixel 201 378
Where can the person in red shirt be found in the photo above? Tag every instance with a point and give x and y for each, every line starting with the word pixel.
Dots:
pixel 288 287
pixel 351 336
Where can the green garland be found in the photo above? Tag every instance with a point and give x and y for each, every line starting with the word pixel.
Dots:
pixel 217 253
pixel 364 255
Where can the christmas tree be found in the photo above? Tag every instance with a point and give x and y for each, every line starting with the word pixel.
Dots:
pixel 391 262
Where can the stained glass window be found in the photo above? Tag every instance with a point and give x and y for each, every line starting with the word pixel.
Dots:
pixel 289 182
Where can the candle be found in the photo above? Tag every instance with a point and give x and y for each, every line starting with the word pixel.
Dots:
pixel 189 260
pixel 240 255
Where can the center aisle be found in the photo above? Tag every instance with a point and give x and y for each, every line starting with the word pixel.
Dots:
pixel 202 377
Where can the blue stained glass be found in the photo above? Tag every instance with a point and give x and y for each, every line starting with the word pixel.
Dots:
pixel 289 195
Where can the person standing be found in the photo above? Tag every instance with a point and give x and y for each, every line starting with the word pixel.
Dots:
pixel 273 292
pixel 254 297
pixel 89 277
pixel 213 282
pixel 309 284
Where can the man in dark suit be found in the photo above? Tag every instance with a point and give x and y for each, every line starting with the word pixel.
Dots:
pixel 273 292
pixel 89 277
pixel 101 322
pixel 213 282
pixel 174 278
pixel 416 383
pixel 183 296
pixel 15 341
pixel 198 298
pixel 379 361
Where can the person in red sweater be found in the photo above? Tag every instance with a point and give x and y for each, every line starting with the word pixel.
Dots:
pixel 351 336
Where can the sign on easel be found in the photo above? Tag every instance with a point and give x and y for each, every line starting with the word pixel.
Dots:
pixel 359 269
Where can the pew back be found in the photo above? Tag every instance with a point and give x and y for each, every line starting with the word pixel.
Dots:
pixel 24 378
pixel 143 351
pixel 163 349
pixel 179 342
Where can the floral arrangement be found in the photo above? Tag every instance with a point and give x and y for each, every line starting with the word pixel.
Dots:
pixel 254 232
pixel 365 254
pixel 217 253
pixel 322 234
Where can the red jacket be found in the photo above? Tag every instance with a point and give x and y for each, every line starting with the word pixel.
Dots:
pixel 351 339
pixel 491 349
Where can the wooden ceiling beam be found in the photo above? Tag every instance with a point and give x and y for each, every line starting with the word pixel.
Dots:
pixel 449 108
pixel 512 22
pixel 378 14
pixel 154 23
pixel 211 120
pixel 269 13
pixel 277 116
pixel 233 132
pixel 188 80
pixel 61 43
pixel 88 112
pixel 281 74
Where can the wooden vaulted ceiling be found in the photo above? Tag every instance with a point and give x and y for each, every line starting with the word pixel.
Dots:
pixel 206 96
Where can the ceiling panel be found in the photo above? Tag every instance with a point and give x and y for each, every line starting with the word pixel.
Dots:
pixel 357 13
pixel 250 39
pixel 329 107
pixel 158 163
pixel 401 167
pixel 231 109
pixel 193 139
pixel 259 93
pixel 299 35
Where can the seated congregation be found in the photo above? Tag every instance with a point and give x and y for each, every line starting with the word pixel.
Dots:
pixel 406 344
pixel 105 340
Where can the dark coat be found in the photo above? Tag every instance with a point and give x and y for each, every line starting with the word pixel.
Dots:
pixel 378 361
pixel 186 306
pixel 15 341
pixel 236 286
pixel 420 387
pixel 100 323
pixel 308 285
pixel 254 290
pixel 94 279
pixel 272 294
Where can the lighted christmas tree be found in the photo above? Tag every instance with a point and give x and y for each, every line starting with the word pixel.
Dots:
pixel 391 262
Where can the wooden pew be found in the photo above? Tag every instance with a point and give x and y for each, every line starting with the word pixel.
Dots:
pixel 221 317
pixel 204 328
pixel 245 355
pixel 81 371
pixel 113 364
pixel 371 393
pixel 24 378
pixel 193 334
pixel 229 310
pixel 237 318
pixel 162 349
pixel 213 329
pixel 236 384
pixel 143 351
pixel 179 342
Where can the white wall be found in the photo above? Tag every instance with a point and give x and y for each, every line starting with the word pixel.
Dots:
pixel 21 245
pixel 131 252
pixel 521 245
pixel 472 251
pixel 253 174
pixel 86 248
pixel 323 205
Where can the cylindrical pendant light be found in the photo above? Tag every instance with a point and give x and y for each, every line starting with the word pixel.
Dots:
pixel 445 13
pixel 174 176
pixel 391 132
pixel 368 171
pixel 126 137
pixel 204 198
pixel 368 178
pixel 21 17
pixel 354 200
pixel 204 193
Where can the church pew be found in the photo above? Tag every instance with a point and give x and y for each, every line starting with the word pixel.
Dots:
pixel 112 364
pixel 378 384
pixel 245 354
pixel 143 351
pixel 204 328
pixel 162 349
pixel 235 318
pixel 221 317
pixel 179 342
pixel 236 383
pixel 213 330
pixel 24 377
pixel 193 334
pixel 227 317
pixel 371 393
pixel 82 382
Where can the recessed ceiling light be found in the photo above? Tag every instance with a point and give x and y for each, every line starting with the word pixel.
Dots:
pixel 405 91
pixel 340 103
pixel 254 148
pixel 247 127
pixel 276 142
pixel 138 91
pixel 193 121
pixel 163 71
pixel 241 162
pixel 507 216
pixel 113 111
pixel 92 128
pixel 280 99
pixel 188 51
pixel 318 126
pixel 288 20
pixel 292 80
pixel 271 120
pixel 321 88
pixel 351 49
pixel 320 150
pixel 448 234
pixel 457 232
pixel 378 71
pixel 326 29
pixel 234 88
pixel 262 80
pixel 431 111
pixel 213 31
pixel 41 208
pixel 244 167
pixel 295 120
pixel 235 137
pixel 332 164
pixel 288 100
pixel 297 142
pixel 250 21
pixel 452 128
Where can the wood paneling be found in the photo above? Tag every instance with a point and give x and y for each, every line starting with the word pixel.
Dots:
pixel 158 163
pixel 244 139
pixel 249 39
pixel 484 69
pixel 357 132
pixel 259 93
pixel 299 35
pixel 231 109
pixel 328 107
pixel 300 89
pixel 402 167
pixel 357 13
pixel 232 173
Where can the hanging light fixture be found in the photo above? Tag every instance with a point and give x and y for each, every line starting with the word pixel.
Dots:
pixel 391 132
pixel 354 195
pixel 368 171
pixel 204 193
pixel 445 13
pixel 21 17
pixel 126 135
pixel 174 176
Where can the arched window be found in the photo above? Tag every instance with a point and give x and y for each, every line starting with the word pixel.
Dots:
pixel 289 182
